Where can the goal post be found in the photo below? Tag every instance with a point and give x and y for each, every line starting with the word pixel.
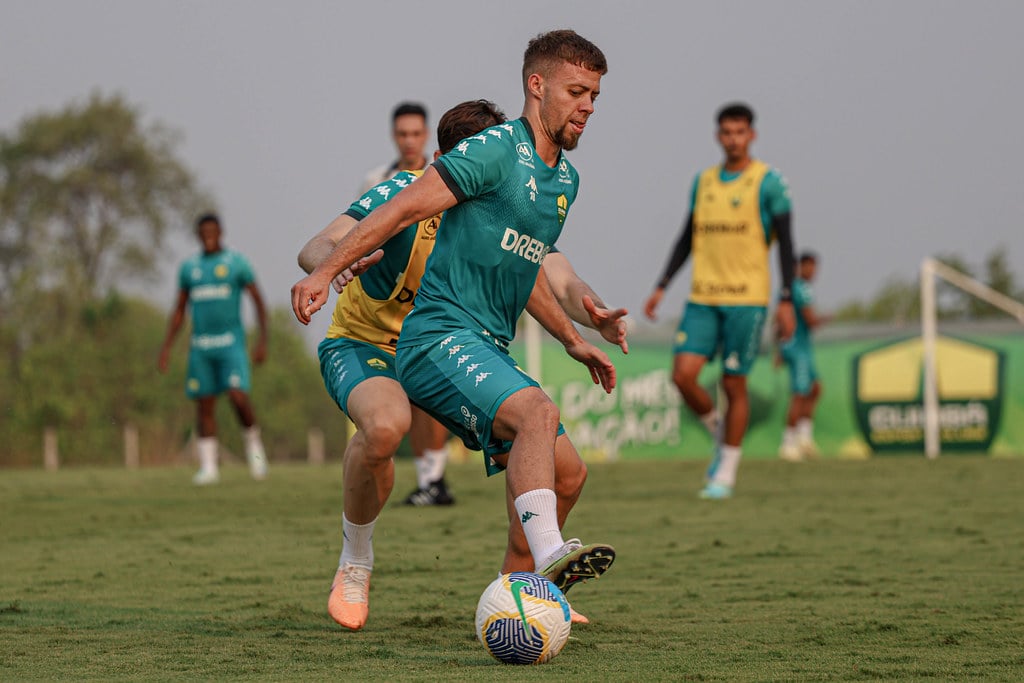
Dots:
pixel 930 269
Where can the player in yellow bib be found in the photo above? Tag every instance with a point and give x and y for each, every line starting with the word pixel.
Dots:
pixel 358 366
pixel 738 208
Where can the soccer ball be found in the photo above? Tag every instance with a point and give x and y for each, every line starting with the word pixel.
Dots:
pixel 522 618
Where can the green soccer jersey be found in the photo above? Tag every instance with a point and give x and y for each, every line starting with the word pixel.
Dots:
pixel 379 281
pixel 214 283
pixel 802 296
pixel 490 245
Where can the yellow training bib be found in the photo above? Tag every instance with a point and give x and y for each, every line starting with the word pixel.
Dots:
pixel 730 252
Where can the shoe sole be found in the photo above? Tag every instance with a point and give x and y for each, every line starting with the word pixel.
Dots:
pixel 582 564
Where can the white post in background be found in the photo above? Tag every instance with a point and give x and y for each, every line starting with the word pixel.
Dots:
pixel 315 446
pixel 51 459
pixel 533 349
pixel 131 446
pixel 932 443
pixel 930 269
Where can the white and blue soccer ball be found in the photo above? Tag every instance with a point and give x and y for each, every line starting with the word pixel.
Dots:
pixel 522 618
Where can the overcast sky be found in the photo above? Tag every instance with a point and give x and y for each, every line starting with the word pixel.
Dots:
pixel 895 122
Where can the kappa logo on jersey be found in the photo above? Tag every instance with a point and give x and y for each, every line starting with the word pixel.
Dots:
pixel 446 341
pixel 533 250
pixel 495 133
pixel 454 350
pixel 532 184
pixel 197 273
pixel 470 369
pixel 383 190
pixel 481 377
pixel 462 359
pixel 462 147
pixel 366 203
pixel 563 208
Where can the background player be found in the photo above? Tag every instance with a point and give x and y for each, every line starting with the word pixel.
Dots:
pixel 212 282
pixel 507 192
pixel 409 132
pixel 798 355
pixel 737 209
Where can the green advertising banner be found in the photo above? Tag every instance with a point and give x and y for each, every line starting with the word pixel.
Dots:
pixel 981 394
pixel 889 392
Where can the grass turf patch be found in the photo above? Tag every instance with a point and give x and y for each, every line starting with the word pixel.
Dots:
pixel 894 568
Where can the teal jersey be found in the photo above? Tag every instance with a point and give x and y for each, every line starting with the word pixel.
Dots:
pixel 802 296
pixel 491 244
pixel 379 281
pixel 773 196
pixel 214 283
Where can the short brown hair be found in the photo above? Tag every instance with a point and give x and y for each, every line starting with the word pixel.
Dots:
pixel 465 119
pixel 563 45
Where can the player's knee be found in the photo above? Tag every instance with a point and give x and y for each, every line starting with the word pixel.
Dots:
pixel 382 438
pixel 684 380
pixel 542 415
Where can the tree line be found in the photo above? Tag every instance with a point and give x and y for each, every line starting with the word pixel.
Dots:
pixel 88 197
pixel 898 300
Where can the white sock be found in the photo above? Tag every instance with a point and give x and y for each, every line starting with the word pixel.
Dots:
pixel 253 441
pixel 433 466
pixel 356 544
pixel 711 421
pixel 727 465
pixel 206 446
pixel 805 429
pixel 789 436
pixel 538 514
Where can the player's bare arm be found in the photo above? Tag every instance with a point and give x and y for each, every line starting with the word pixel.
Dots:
pixel 175 323
pixel 543 306
pixel 424 198
pixel 680 252
pixel 259 351
pixel 317 249
pixel 581 303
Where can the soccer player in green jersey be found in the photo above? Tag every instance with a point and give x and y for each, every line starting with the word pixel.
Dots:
pixel 506 193
pixel 213 282
pixel 738 208
pixel 358 368
pixel 798 355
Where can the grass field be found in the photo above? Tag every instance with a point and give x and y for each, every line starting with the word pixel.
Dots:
pixel 891 569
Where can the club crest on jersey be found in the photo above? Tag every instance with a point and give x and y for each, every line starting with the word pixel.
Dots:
pixel 221 270
pixel 377 364
pixel 563 208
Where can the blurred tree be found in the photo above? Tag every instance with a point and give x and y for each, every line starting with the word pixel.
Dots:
pixel 999 277
pixel 899 301
pixel 86 198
